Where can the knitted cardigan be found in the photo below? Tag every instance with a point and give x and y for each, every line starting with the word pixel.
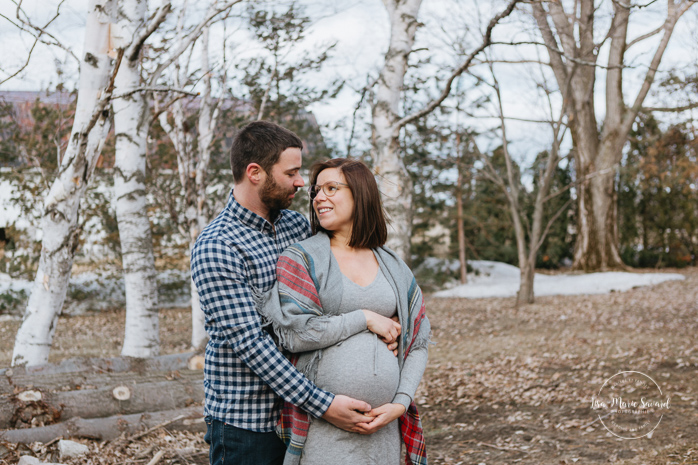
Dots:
pixel 300 307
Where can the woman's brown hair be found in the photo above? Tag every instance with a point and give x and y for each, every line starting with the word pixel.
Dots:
pixel 369 228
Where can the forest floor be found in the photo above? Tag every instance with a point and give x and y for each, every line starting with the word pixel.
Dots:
pixel 503 385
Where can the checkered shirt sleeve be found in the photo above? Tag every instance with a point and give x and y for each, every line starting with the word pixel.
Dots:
pixel 244 367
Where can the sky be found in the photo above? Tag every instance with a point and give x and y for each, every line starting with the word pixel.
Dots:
pixel 360 29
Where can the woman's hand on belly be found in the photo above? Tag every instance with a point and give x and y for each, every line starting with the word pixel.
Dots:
pixel 386 329
pixel 382 416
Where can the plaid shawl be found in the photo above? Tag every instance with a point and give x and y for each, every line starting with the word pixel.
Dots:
pixel 304 284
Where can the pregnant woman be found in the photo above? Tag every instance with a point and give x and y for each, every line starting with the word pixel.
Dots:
pixel 337 293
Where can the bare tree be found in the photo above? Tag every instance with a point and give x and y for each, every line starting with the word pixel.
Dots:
pixel 192 161
pixel 530 235
pixel 570 36
pixel 392 176
pixel 62 204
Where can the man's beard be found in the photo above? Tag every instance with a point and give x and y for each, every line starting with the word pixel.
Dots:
pixel 274 197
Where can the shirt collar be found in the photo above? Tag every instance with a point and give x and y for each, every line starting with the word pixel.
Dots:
pixel 250 218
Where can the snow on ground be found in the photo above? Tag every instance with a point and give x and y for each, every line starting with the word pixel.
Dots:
pixel 495 279
pixel 94 291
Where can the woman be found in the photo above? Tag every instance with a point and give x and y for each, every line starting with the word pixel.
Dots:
pixel 337 293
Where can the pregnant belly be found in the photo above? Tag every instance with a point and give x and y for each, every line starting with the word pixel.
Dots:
pixel 361 367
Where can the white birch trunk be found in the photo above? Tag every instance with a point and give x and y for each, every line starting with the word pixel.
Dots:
pixel 208 119
pixel 192 164
pixel 392 176
pixel 132 122
pixel 61 207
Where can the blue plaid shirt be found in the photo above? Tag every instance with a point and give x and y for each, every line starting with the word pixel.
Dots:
pixel 244 368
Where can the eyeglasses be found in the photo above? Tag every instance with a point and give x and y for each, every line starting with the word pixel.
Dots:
pixel 330 188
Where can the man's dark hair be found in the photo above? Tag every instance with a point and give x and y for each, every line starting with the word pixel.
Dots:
pixel 369 228
pixel 260 142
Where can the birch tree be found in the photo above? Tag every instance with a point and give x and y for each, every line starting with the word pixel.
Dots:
pixel 569 32
pixel 133 118
pixel 392 176
pixel 62 204
pixel 131 124
pixel 193 162
pixel 193 147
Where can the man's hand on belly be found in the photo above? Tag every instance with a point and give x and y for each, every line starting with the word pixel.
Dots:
pixel 382 416
pixel 347 413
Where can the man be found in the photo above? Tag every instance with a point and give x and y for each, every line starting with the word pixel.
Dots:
pixel 235 257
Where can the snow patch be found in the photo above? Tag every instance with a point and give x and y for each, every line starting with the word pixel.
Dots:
pixel 96 291
pixel 495 279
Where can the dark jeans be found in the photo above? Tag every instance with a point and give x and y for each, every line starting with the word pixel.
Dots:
pixel 236 446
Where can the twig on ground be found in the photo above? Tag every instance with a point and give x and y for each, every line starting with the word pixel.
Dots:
pixel 150 430
pixel 503 448
pixel 157 457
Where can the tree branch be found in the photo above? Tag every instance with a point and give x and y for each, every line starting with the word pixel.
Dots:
pixel 580 181
pixel 194 35
pixel 155 89
pixel 487 39
pixel 159 17
pixel 645 36
pixel 550 224
pixel 364 91
pixel 690 106
pixel 513 62
pixel 42 30
pixel 669 24
pixel 24 66
pixel 25 23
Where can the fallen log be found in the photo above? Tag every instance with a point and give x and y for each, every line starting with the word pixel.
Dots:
pixel 150 393
pixel 109 427
pixel 104 365
pixel 81 380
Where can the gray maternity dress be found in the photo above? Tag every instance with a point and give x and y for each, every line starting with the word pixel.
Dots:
pixel 361 367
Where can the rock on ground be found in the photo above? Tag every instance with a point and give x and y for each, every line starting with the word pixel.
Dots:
pixel 69 449
pixel 29 460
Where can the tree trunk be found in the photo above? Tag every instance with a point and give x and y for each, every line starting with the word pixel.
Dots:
pixel 109 428
pixel 392 176
pixel 528 273
pixel 61 207
pixel 193 164
pixel 208 120
pixel 461 228
pixel 199 337
pixel 596 247
pixel 82 370
pixel 132 122
pixel 148 393
pixel 597 152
